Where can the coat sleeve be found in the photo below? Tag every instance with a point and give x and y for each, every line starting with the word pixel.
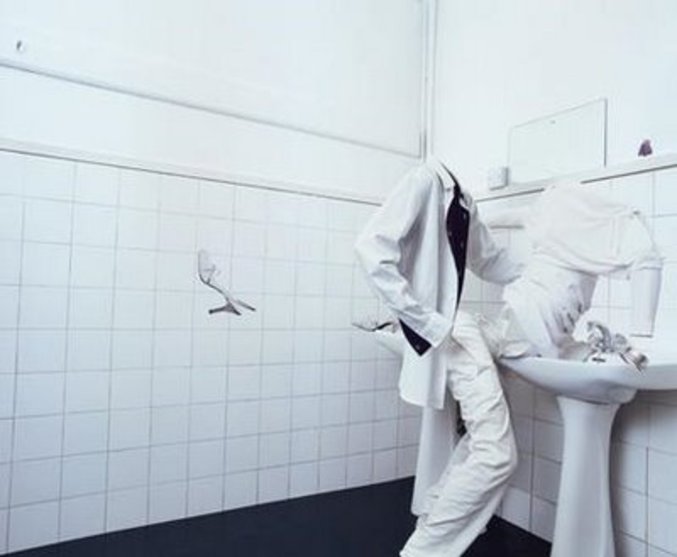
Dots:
pixel 379 251
pixel 485 257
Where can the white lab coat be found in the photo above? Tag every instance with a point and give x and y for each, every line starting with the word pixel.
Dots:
pixel 405 253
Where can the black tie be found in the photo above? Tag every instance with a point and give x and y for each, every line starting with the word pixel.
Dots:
pixel 458 222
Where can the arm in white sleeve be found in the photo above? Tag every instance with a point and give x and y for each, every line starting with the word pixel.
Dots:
pixel 378 250
pixel 485 258
pixel 646 285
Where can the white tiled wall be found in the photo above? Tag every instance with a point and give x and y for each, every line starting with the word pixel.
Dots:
pixel 644 443
pixel 123 403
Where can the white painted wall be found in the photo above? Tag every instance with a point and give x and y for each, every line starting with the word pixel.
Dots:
pixel 503 63
pixel 299 91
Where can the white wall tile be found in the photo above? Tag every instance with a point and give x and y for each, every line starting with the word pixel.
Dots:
pixel 276 380
pixel 207 421
pixel 86 432
pixel 247 276
pixel 274 449
pixel 128 468
pixel 129 428
pixel 305 445
pixel 205 458
pixel 172 348
pixel 132 349
pixel 82 517
pixel 92 267
pixel 126 509
pixel 516 507
pixel 139 189
pixel 214 235
pixel 385 465
pixel 178 194
pixel 10 253
pixel 33 525
pixel 239 490
pixel 332 474
pixel 548 440
pixel 45 264
pixel 47 221
pixel 170 424
pixel 662 429
pixel 542 518
pixel 662 520
pixel 137 229
pixel 629 466
pixel 176 233
pixel 171 386
pixel 89 350
pixel 283 207
pixel 241 454
pixel 130 389
pixel 305 412
pixel 205 495
pixel 36 480
pixel 9 306
pixel 39 393
pixel 83 474
pixel 303 479
pixel 662 484
pixel 168 463
pixel 136 269
pixel 275 415
pixel 94 225
pixel 96 184
pixel 5 439
pixel 629 512
pixel 665 192
pixel 7 388
pixel 627 546
pixel 49 178
pixel 216 199
pixel 244 382
pixel 38 437
pixel 11 218
pixel 12 168
pixel 207 384
pixel 90 308
pixel 242 418
pixel 251 204
pixel 359 470
pixel 273 484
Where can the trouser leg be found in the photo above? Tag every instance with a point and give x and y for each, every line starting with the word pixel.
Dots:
pixel 460 504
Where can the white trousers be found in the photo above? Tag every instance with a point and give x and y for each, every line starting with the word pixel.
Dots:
pixel 459 505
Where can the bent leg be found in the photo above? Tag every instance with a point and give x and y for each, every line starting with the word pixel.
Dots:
pixel 474 481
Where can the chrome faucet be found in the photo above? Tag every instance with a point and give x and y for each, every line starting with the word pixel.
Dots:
pixel 602 341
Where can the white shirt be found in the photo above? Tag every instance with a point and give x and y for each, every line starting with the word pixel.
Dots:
pixel 576 236
pixel 405 253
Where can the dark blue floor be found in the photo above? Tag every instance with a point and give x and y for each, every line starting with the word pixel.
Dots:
pixel 371 521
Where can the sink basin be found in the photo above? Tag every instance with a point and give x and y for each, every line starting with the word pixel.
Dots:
pixel 608 382
pixel 589 395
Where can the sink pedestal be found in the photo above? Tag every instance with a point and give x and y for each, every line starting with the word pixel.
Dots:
pixel 583 522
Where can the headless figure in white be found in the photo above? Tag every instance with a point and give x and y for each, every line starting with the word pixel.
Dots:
pixel 576 236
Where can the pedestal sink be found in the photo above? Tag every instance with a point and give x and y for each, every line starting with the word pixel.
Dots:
pixel 588 395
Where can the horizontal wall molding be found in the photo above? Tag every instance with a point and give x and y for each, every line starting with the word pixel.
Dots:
pixel 27 49
pixel 639 166
pixel 183 171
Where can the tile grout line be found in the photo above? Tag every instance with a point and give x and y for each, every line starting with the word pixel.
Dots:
pixel 66 353
pixel 111 351
pixel 17 346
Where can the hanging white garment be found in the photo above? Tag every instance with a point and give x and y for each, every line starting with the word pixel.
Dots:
pixel 576 235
